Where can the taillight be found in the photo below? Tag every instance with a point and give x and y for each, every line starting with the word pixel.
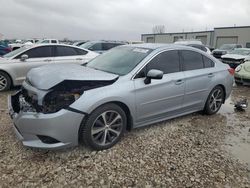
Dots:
pixel 231 71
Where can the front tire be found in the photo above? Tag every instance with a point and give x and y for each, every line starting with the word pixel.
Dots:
pixel 5 81
pixel 214 101
pixel 104 127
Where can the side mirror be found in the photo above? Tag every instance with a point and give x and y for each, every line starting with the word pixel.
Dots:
pixel 153 74
pixel 24 57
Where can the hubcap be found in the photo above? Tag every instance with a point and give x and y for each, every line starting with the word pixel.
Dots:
pixel 106 128
pixel 3 82
pixel 216 100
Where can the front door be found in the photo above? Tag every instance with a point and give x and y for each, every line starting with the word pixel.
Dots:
pixel 161 98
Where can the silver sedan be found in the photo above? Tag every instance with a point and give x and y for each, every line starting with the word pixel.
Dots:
pixel 127 87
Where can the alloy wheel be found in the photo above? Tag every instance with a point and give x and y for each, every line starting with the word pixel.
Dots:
pixel 216 100
pixel 106 128
pixel 3 82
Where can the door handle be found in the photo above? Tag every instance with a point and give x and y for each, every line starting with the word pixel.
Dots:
pixel 79 59
pixel 47 60
pixel 179 82
pixel 210 75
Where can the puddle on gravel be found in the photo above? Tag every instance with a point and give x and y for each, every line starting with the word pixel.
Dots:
pixel 238 143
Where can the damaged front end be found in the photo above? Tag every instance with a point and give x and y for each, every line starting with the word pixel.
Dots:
pixel 61 96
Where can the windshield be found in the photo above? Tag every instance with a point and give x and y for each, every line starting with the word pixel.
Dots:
pixel 240 51
pixel 119 60
pixel 15 52
pixel 227 47
pixel 86 45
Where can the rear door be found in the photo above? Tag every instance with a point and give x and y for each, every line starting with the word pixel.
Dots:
pixel 37 56
pixel 161 98
pixel 67 54
pixel 199 75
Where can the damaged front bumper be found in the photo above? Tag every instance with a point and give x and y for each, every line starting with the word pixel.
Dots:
pixel 47 131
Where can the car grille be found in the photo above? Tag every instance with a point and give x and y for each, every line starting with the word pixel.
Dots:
pixel 246 80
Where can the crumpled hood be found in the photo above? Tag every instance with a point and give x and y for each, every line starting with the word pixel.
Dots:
pixel 46 77
pixel 217 51
pixel 234 56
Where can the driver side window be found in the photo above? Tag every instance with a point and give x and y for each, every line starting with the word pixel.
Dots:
pixel 168 62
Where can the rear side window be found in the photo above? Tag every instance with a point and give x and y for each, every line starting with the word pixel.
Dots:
pixel 68 51
pixel 168 62
pixel 107 46
pixel 80 52
pixel 96 47
pixel 207 62
pixel 191 60
pixel 39 52
pixel 53 41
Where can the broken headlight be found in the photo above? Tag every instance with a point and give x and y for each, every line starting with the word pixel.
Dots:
pixel 57 100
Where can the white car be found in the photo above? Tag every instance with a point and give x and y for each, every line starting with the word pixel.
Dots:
pixel 48 41
pixel 15 65
pixel 195 44
pixel 236 57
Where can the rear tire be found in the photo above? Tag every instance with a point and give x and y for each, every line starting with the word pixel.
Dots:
pixel 214 101
pixel 5 81
pixel 104 127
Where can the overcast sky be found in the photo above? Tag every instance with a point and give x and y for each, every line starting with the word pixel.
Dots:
pixel 115 19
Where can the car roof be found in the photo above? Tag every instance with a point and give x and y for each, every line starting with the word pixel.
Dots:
pixel 104 41
pixel 155 46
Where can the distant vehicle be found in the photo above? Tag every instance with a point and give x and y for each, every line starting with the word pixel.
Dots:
pixel 79 43
pixel 101 46
pixel 235 57
pixel 195 44
pixel 127 87
pixel 15 65
pixel 48 41
pixel 4 50
pixel 188 41
pixel 224 49
pixel 20 43
pixel 242 73
pixel 135 42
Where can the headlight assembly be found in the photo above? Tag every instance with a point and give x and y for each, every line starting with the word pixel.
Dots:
pixel 57 100
pixel 238 68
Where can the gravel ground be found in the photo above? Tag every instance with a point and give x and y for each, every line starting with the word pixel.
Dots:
pixel 191 151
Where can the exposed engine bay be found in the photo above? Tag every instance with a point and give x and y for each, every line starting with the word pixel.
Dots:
pixel 56 98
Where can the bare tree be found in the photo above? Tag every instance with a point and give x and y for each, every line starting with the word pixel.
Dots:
pixel 158 29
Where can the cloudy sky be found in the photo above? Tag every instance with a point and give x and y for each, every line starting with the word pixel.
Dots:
pixel 115 19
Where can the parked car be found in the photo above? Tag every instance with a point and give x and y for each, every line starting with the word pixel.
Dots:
pixel 100 46
pixel 20 43
pixel 194 44
pixel 48 41
pixel 4 48
pixel 127 87
pixel 79 43
pixel 15 65
pixel 242 73
pixel 235 57
pixel 224 49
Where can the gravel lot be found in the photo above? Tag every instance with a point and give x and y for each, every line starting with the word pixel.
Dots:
pixel 191 151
